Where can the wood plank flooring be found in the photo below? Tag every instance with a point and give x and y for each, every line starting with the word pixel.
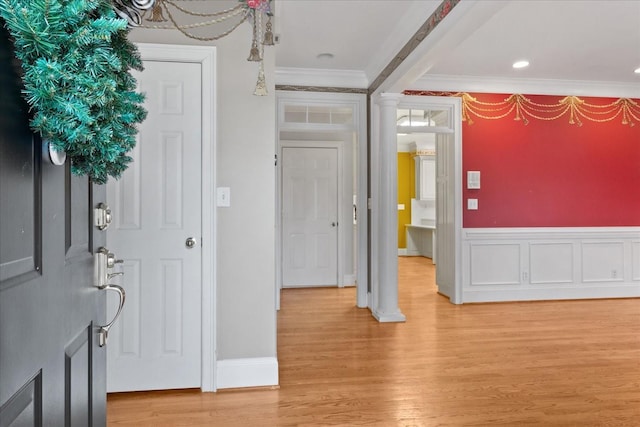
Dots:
pixel 569 363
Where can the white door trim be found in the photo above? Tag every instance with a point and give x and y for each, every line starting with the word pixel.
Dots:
pixel 206 57
pixel 358 103
pixel 454 107
pixel 339 145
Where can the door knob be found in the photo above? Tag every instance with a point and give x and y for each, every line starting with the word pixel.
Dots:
pixel 190 243
pixel 333 224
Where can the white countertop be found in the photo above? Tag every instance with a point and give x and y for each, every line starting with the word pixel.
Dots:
pixel 428 227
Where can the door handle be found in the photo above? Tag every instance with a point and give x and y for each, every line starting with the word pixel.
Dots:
pixel 190 243
pixel 334 224
pixel 103 331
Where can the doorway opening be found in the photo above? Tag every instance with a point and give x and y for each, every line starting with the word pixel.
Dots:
pixel 321 185
pixel 429 212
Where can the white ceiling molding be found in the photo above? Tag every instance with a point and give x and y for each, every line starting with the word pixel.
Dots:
pixel 319 77
pixel 525 86
pixel 444 38
pixel 417 13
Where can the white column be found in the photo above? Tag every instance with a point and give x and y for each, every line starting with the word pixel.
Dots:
pixel 385 307
pixel 374 167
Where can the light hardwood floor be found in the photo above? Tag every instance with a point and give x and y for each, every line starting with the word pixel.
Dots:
pixel 569 363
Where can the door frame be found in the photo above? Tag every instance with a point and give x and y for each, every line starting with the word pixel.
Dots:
pixel 381 124
pixel 206 57
pixel 339 146
pixel 454 108
pixel 357 102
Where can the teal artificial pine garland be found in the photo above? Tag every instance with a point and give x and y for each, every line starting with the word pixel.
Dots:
pixel 76 61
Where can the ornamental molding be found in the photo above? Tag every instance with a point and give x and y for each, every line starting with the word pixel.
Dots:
pixel 521 108
pixel 476 84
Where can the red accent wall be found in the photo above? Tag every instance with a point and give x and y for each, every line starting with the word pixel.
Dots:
pixel 552 173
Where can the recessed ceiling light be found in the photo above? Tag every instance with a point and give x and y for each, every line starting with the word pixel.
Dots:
pixel 520 64
pixel 637 70
pixel 326 55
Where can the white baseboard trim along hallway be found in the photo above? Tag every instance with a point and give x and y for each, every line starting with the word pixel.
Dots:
pixel 249 372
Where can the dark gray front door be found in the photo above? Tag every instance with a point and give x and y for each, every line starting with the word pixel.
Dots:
pixel 52 371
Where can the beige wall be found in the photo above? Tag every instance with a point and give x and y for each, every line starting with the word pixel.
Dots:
pixel 245 129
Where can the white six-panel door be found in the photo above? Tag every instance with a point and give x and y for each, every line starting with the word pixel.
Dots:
pixel 156 207
pixel 309 216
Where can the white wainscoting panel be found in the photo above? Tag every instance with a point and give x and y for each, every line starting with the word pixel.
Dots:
pixel 602 262
pixel 551 263
pixel 635 260
pixel 495 264
pixel 524 264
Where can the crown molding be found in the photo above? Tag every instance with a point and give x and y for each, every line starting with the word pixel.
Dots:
pixel 446 83
pixel 287 76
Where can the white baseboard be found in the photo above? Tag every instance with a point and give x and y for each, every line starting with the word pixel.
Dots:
pixel 595 292
pixel 408 252
pixel 250 372
pixel 349 280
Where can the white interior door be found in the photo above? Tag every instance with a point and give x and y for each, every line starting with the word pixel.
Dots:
pixel 309 216
pixel 156 207
pixel 445 214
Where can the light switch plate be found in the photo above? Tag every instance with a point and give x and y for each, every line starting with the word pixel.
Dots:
pixel 223 197
pixel 473 180
pixel 472 204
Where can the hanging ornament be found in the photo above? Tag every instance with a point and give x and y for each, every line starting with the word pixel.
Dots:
pixel 156 14
pixel 268 34
pixel 261 84
pixel 254 53
pixel 204 24
pixel 262 5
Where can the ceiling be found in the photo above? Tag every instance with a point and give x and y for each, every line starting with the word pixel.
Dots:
pixel 588 43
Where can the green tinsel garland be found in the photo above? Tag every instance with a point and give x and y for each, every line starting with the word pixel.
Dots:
pixel 76 61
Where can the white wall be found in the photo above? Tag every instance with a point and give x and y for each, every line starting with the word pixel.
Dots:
pixel 245 129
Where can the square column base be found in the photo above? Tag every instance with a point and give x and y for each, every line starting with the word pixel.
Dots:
pixel 388 317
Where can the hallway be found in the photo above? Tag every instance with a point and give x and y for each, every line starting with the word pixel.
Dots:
pixel 561 363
